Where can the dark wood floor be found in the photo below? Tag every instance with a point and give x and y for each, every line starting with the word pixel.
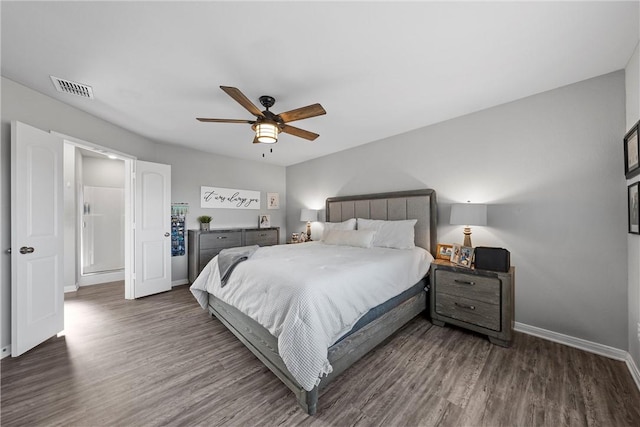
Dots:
pixel 161 360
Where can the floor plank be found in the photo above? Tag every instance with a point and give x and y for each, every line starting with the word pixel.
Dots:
pixel 161 360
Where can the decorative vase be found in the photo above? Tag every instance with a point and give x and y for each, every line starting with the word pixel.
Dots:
pixel 204 226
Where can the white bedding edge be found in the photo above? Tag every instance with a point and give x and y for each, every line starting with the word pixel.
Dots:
pixel 309 295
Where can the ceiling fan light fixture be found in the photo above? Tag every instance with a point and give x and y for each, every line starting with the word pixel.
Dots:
pixel 267 133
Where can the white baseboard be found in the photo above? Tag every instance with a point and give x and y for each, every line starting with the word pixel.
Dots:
pixel 179 282
pixel 6 351
pixel 100 278
pixel 71 288
pixel 633 368
pixel 579 343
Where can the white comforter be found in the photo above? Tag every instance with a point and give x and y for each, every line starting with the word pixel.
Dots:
pixel 309 295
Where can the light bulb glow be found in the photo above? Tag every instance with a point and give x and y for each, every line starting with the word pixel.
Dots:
pixel 267 133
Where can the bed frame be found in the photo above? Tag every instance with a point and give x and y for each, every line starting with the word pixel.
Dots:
pixel 416 204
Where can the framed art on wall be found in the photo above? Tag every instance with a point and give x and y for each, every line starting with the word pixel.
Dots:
pixel 273 200
pixel 631 148
pixel 634 208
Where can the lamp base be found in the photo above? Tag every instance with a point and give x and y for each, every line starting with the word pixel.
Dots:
pixel 467 237
pixel 308 231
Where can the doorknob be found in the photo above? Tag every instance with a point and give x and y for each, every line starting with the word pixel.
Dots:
pixel 166 234
pixel 26 250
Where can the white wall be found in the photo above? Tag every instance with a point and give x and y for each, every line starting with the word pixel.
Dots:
pixel 632 83
pixel 190 169
pixel 550 168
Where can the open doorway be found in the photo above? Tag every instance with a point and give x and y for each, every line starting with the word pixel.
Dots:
pixel 100 227
pixel 97 208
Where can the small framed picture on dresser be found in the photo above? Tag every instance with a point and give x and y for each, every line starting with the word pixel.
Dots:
pixel 631 149
pixel 264 221
pixel 634 208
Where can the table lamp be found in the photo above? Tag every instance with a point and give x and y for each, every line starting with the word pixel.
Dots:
pixel 468 214
pixel 308 215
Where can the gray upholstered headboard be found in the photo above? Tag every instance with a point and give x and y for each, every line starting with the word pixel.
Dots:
pixel 398 205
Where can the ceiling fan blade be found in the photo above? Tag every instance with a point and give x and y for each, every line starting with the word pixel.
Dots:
pixel 302 113
pixel 242 100
pixel 225 120
pixel 299 132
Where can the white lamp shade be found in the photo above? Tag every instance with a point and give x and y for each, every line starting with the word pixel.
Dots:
pixel 468 214
pixel 308 215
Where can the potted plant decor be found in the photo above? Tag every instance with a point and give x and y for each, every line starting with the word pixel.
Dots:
pixel 204 222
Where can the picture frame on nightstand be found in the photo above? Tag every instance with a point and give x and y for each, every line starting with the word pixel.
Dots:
pixel 634 207
pixel 631 151
pixel 462 255
pixel 444 251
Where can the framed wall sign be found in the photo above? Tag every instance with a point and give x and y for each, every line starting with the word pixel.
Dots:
pixel 631 148
pixel 229 198
pixel 634 208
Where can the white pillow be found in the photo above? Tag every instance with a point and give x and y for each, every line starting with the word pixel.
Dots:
pixel 358 238
pixel 391 234
pixel 349 224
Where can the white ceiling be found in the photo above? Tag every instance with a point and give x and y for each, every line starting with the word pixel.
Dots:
pixel 378 68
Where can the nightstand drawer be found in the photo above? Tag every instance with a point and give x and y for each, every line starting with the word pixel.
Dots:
pixel 261 237
pixel 470 286
pixel 221 239
pixel 467 310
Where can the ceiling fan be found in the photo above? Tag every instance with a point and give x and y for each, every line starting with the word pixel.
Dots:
pixel 267 125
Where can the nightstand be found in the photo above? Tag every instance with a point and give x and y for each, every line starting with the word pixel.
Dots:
pixel 478 300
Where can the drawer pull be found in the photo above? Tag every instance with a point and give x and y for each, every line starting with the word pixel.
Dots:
pixel 470 307
pixel 263 235
pixel 222 237
pixel 464 282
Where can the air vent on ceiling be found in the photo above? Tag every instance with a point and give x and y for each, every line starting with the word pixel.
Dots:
pixel 67 86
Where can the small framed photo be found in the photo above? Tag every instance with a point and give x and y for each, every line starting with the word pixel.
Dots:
pixel 634 208
pixel 462 255
pixel 273 200
pixel 444 251
pixel 631 148
pixel 264 221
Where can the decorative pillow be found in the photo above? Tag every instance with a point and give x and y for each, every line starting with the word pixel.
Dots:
pixel 358 238
pixel 391 234
pixel 349 224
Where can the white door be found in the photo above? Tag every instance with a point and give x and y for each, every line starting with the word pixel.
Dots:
pixel 37 237
pixel 152 229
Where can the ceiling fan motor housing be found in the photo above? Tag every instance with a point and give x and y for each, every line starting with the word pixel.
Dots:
pixel 267 101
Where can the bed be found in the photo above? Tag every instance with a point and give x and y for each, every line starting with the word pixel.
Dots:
pixel 373 327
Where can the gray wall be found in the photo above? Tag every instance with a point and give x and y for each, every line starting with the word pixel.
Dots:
pixel 550 168
pixel 189 170
pixel 632 79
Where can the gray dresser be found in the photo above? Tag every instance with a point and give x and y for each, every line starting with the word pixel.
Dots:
pixel 204 245
pixel 479 300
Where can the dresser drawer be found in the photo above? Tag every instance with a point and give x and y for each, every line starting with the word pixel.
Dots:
pixel 221 239
pixel 206 256
pixel 261 237
pixel 468 310
pixel 470 286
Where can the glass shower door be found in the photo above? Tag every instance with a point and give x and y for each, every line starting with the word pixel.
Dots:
pixel 102 229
